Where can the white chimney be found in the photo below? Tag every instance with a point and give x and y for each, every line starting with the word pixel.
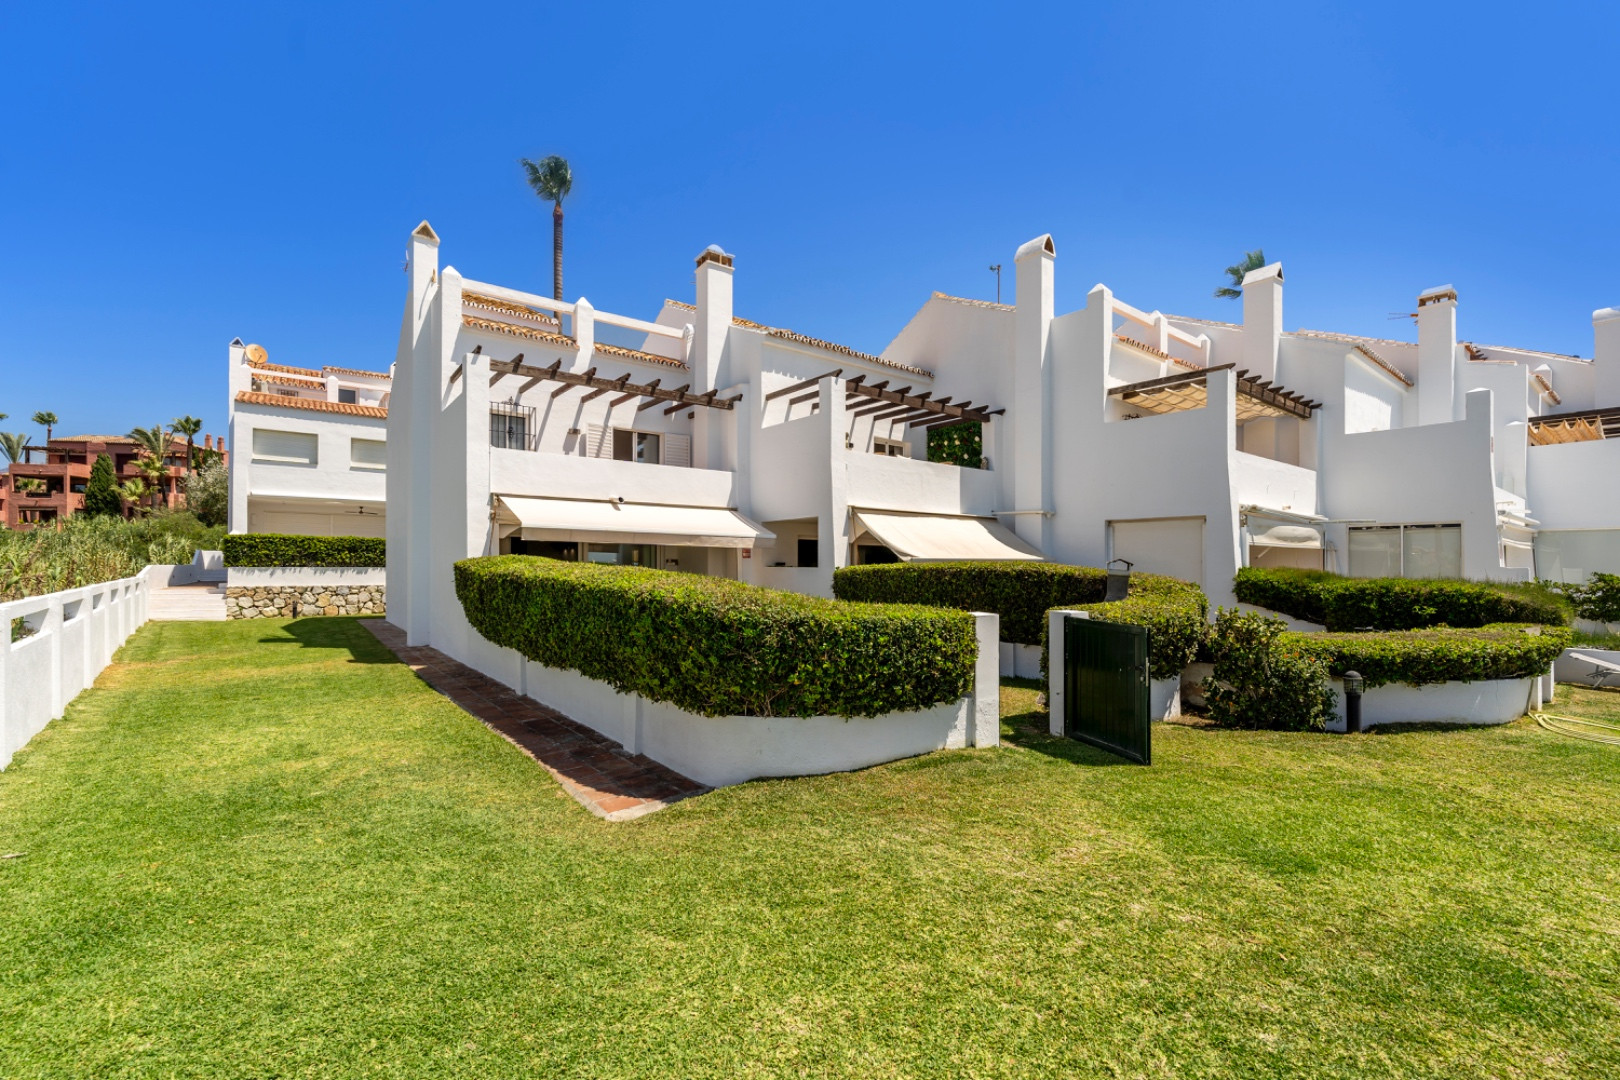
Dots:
pixel 1437 355
pixel 1262 320
pixel 1035 263
pixel 1606 357
pixel 714 270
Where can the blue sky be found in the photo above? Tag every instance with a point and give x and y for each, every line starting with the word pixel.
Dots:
pixel 172 178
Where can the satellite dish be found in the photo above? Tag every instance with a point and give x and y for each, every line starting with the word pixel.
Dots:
pixel 256 354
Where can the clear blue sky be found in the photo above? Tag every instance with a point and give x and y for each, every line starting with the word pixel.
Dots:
pixel 170 180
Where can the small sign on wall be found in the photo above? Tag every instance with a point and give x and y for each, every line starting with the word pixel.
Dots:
pixel 748 553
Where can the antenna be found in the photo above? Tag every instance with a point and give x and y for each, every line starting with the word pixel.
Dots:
pixel 997 268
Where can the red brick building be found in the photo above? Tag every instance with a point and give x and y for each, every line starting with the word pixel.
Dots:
pixel 66 470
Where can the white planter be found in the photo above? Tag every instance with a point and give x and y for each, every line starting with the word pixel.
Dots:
pixel 1489 701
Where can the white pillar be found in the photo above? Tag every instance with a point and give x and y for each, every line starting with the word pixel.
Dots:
pixel 584 333
pixel 1035 264
pixel 1054 667
pixel 986 727
pixel 709 336
pixel 1437 355
pixel 1606 354
pixel 1262 320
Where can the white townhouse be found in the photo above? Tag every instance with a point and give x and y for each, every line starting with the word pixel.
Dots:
pixel 1193 448
pixel 308 447
pixel 703 442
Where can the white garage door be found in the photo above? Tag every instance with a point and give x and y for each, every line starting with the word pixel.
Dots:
pixel 1173 546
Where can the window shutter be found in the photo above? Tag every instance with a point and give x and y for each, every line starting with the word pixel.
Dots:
pixel 284 447
pixel 678 450
pixel 598 441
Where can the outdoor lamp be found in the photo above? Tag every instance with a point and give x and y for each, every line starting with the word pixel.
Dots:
pixel 1119 581
pixel 1353 683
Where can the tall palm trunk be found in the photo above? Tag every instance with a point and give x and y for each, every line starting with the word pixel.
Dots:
pixel 556 253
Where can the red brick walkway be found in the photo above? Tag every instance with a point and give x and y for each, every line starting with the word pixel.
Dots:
pixel 592 768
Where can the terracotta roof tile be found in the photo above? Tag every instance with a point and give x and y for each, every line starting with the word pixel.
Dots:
pixel 284 380
pixel 1530 352
pixel 528 333
pixel 265 365
pixel 1385 364
pixel 1204 322
pixel 249 397
pixel 605 349
pixel 990 304
pixel 1160 353
pixel 356 371
pixel 806 339
pixel 1352 339
pixel 505 307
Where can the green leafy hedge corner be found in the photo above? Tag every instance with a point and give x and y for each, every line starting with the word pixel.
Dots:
pixel 719 647
pixel 1346 604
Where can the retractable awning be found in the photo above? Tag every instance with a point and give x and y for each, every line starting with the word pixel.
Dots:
pixel 927 538
pixel 1282 528
pixel 612 522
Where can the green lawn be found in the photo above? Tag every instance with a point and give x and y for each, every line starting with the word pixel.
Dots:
pixel 262 849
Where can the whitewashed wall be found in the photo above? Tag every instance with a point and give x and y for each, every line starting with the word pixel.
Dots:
pixel 74 635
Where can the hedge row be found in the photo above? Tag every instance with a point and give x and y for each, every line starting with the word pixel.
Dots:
pixel 1020 592
pixel 1345 604
pixel 1174 611
pixel 719 647
pixel 1598 599
pixel 276 549
pixel 1419 657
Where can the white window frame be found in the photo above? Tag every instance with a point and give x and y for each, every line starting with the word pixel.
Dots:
pixel 265 457
pixel 366 466
pixel 1401 545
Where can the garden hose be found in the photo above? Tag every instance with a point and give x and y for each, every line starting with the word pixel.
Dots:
pixel 1573 726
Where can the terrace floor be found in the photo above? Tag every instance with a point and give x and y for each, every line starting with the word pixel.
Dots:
pixel 267 848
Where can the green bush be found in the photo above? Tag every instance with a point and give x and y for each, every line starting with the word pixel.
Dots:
pixel 277 549
pixel 1262 680
pixel 1419 657
pixel 1345 604
pixel 958 444
pixel 1021 593
pixel 86 549
pixel 1598 599
pixel 719 647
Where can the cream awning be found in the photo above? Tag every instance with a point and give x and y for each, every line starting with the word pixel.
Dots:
pixel 612 522
pixel 1283 529
pixel 925 538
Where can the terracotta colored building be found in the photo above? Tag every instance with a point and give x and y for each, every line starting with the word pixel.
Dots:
pixel 66 470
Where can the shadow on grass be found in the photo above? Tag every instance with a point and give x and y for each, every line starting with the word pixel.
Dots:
pixel 1029 731
pixel 335 632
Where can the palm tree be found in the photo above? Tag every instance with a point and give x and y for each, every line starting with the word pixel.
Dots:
pixel 552 180
pixel 189 426
pixel 133 491
pixel 1254 260
pixel 46 420
pixel 13 444
pixel 153 470
pixel 153 445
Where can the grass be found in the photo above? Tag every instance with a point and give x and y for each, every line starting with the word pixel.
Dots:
pixel 260 849
pixel 1589 640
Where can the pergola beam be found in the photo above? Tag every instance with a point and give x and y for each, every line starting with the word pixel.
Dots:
pixel 805 385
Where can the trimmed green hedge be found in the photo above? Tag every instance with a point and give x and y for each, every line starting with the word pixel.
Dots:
pixel 719 647
pixel 1419 657
pixel 277 549
pixel 1020 592
pixel 1598 599
pixel 1174 611
pixel 1346 604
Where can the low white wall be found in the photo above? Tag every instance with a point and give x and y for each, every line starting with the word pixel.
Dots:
pixel 722 750
pixel 1021 661
pixel 1592 626
pixel 809 580
pixel 75 633
pixel 1293 623
pixel 280 576
pixel 1567 669
pixel 1489 701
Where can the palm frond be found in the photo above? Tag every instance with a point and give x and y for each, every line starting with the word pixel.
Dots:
pixel 12 444
pixel 550 177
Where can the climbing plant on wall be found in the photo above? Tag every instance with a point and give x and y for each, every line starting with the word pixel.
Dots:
pixel 958 444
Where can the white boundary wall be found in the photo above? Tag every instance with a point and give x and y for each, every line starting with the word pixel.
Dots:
pixel 279 576
pixel 722 750
pixel 1488 701
pixel 75 633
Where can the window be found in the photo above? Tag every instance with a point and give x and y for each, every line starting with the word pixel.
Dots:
pixel 1413 551
pixel 891 448
pixel 642 446
pixel 368 454
pixel 809 551
pixel 510 426
pixel 284 447
pixel 622 554
pixel 347 397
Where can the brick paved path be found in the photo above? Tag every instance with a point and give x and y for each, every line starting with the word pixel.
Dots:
pixel 592 768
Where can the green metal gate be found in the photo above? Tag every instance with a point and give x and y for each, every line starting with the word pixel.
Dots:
pixel 1105 687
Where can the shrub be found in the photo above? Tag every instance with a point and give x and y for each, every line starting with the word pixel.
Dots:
pixel 84 550
pixel 277 549
pixel 1418 657
pixel 1262 680
pixel 101 497
pixel 1344 604
pixel 719 647
pixel 1598 599
pixel 958 444
pixel 1174 611
pixel 1020 592
pixel 208 491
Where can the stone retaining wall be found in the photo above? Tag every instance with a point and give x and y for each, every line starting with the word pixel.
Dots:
pixel 286 601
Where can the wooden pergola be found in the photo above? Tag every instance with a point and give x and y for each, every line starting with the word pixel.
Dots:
pixel 674 399
pixel 1586 426
pixel 1257 399
pixel 896 406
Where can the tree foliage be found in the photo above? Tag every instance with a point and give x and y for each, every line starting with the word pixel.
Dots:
pixel 1252 260
pixel 101 493
pixel 208 492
